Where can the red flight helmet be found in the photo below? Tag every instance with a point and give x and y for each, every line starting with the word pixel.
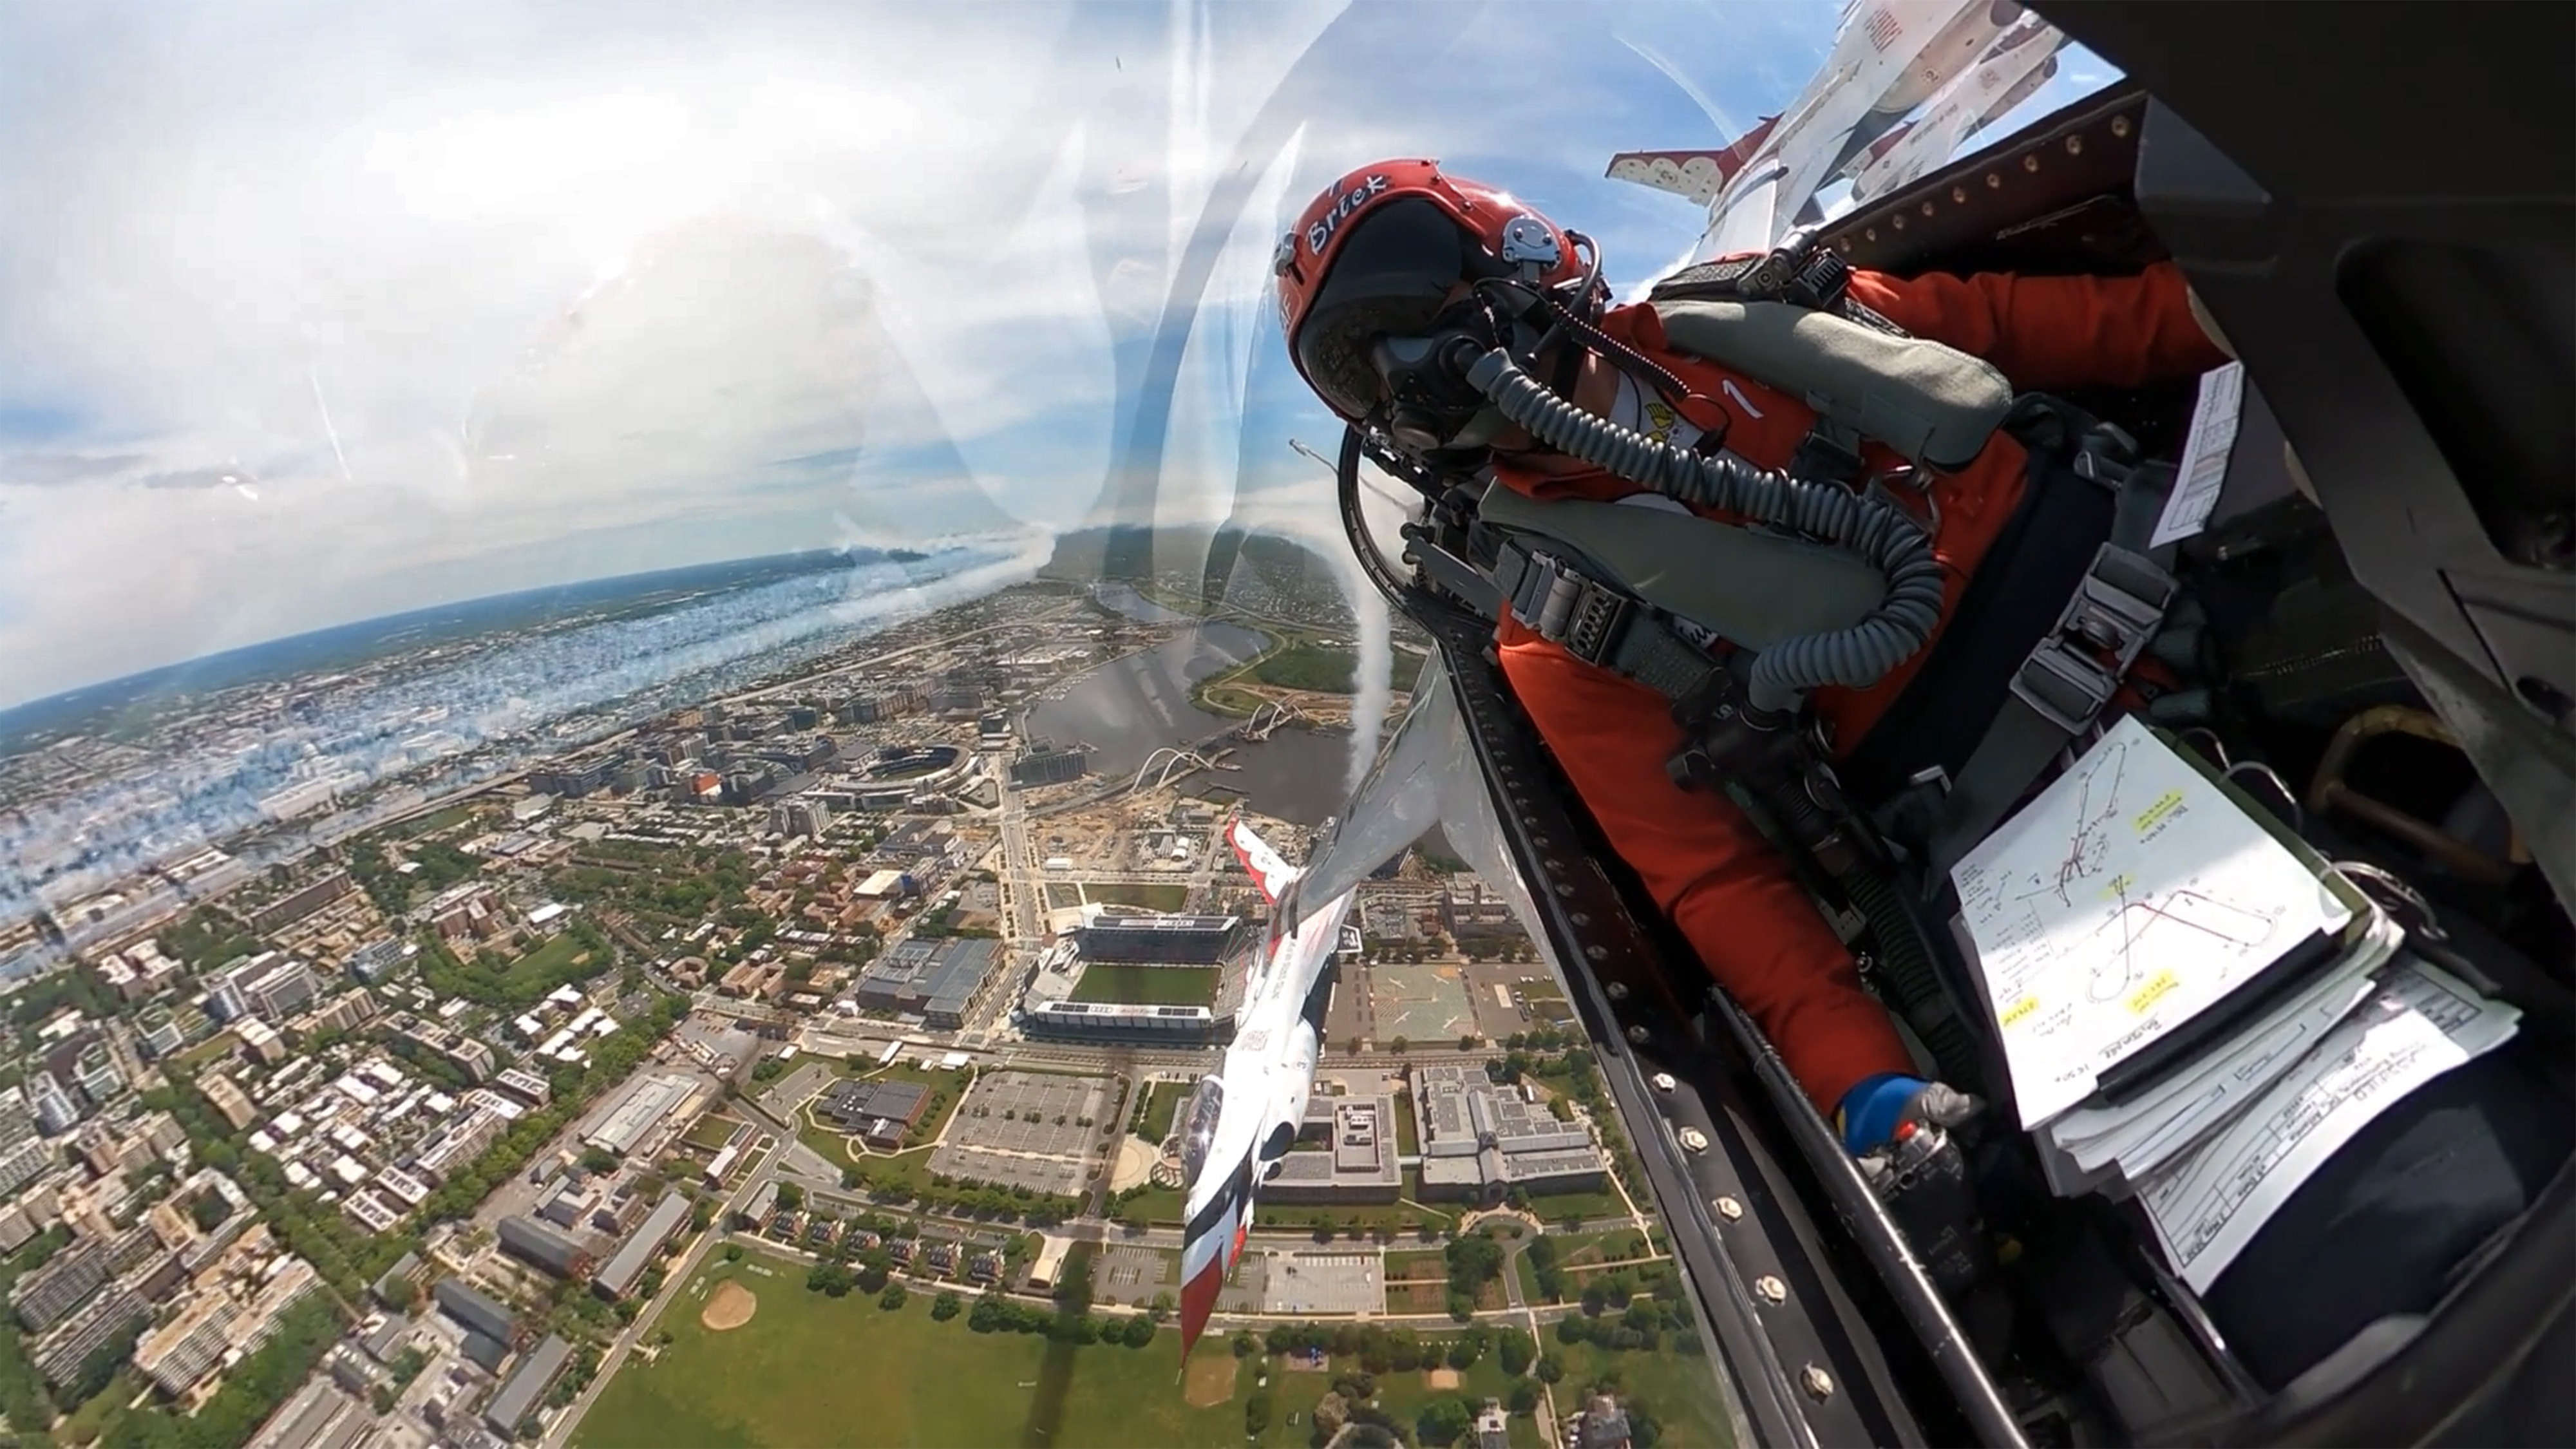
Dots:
pixel 1384 251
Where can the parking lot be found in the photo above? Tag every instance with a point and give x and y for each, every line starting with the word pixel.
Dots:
pixel 1133 1275
pixel 1025 1129
pixel 1323 1283
pixel 1514 997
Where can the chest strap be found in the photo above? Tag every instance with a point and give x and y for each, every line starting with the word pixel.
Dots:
pixel 1597 622
pixel 2057 695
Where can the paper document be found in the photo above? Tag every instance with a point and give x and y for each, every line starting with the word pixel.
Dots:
pixel 2202 474
pixel 2208 1204
pixel 2141 1135
pixel 2126 899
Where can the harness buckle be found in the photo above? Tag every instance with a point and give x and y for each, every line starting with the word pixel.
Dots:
pixel 2114 613
pixel 1561 604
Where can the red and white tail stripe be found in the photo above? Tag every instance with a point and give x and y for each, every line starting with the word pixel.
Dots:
pixel 1267 869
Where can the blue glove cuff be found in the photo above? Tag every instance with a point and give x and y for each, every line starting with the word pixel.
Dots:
pixel 1870 1111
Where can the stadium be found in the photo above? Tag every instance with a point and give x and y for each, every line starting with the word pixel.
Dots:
pixel 1138 978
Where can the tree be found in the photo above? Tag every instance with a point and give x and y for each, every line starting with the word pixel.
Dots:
pixel 1256 1413
pixel 1444 1421
pixel 1398 1046
pixel 1467 1041
pixel 733 1252
pixel 1524 1397
pixel 790 1197
pixel 944 1307
pixel 1162 1307
pixel 893 1297
pixel 1474 1261
pixel 1548 1369
pixel 1461 1306
pixel 829 1279
pixel 1245 1345
pixel 598 1159
pixel 1516 1350
pixel 1139 1331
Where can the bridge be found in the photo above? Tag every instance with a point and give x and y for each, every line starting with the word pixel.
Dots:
pixel 1164 762
pixel 1269 716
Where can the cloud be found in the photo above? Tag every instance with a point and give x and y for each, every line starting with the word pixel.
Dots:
pixel 52 470
pixel 491 294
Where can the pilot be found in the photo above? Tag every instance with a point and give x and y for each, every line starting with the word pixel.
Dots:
pixel 1398 243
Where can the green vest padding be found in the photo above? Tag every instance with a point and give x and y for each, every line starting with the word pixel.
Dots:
pixel 1932 403
pixel 1753 588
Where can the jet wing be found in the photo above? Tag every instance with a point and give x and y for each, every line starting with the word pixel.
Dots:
pixel 1699 175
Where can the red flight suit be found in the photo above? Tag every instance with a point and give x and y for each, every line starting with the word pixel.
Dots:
pixel 1724 886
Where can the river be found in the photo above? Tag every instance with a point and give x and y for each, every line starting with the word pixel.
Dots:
pixel 1129 708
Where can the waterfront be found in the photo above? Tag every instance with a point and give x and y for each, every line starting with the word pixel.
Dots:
pixel 1129 708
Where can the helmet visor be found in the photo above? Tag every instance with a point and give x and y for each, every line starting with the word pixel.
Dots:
pixel 1392 277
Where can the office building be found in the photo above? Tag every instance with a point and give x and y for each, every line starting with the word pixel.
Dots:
pixel 474 1310
pixel 303 901
pixel 269 985
pixel 803 815
pixel 525 1085
pixel 1480 1141
pixel 260 1040
pixel 1351 1159
pixel 17 1117
pixel 881 1113
pixel 377 960
pixel 160 1032
pixel 1050 767
pixel 48 1295
pixel 941 981
pixel 95 1071
pixel 56 1111
pixel 535 1243
pixel 60 1353
pixel 180 1353
pixel 227 1099
pixel 225 1001
pixel 460 1143
pixel 637 1113
pixel 625 1267
pixel 526 1386
pixel 23 1164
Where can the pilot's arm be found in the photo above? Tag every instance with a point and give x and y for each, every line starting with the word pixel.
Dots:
pixel 2055 332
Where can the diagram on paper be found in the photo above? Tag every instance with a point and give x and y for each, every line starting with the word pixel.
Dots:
pixel 2131 894
pixel 2204 922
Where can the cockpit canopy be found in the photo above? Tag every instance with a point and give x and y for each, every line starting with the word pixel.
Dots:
pixel 1198 1125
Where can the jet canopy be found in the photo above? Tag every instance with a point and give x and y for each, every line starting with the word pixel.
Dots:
pixel 1198 1125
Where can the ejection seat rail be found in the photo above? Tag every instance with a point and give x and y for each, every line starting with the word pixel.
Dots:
pixel 1804 1361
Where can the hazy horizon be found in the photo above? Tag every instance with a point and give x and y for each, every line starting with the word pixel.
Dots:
pixel 333 316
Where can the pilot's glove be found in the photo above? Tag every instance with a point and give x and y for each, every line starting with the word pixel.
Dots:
pixel 1871 1113
pixel 1904 1131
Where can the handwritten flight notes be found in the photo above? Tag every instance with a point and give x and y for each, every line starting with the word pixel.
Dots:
pixel 2129 897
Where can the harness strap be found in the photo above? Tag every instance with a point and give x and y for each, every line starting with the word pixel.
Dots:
pixel 2058 693
pixel 1597 622
pixel 2064 685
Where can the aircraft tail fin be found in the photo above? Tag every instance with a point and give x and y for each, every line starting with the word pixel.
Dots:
pixel 1268 869
pixel 1699 175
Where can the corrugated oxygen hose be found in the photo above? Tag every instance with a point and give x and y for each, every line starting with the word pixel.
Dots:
pixel 1893 543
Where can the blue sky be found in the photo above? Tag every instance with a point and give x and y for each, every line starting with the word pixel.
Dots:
pixel 311 313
